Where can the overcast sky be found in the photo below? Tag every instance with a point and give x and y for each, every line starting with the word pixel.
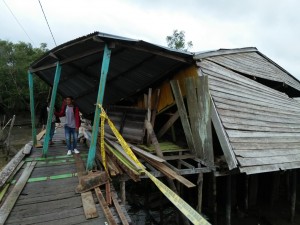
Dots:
pixel 270 25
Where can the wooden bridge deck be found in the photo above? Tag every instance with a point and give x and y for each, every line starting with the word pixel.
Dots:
pixel 49 195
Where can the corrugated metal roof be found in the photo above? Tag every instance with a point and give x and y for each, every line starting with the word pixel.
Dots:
pixel 249 61
pixel 134 66
pixel 262 125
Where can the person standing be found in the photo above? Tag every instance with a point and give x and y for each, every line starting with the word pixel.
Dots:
pixel 72 123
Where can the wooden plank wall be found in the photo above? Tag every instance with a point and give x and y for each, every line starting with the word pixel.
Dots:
pixel 262 124
pixel 253 64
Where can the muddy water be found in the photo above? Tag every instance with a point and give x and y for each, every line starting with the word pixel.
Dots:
pixel 19 137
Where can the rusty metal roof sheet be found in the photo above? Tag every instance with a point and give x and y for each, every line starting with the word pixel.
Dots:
pixel 134 65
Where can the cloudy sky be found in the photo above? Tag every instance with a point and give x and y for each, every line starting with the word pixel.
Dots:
pixel 272 26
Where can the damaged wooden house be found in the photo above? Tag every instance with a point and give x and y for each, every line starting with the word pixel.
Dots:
pixel 204 121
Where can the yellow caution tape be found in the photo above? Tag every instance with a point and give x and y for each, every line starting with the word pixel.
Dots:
pixel 185 208
pixel 102 141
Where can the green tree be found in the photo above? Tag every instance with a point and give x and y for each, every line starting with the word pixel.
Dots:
pixel 177 41
pixel 15 59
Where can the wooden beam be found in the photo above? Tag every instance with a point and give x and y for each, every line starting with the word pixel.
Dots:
pixel 293 181
pixel 123 192
pixel 149 106
pixel 169 172
pixel 228 200
pixel 200 188
pixel 157 52
pixel 224 52
pixel 204 103
pixel 120 212
pixel 155 107
pixel 16 191
pixel 108 214
pixel 87 199
pixel 195 114
pixel 68 60
pixel 9 169
pixel 222 136
pixel 153 138
pixel 145 153
pixel 183 114
pixel 168 124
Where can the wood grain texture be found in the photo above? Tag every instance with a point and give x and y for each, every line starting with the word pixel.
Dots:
pixel 262 125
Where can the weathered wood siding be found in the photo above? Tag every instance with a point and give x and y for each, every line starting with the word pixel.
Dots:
pixel 262 124
pixel 254 64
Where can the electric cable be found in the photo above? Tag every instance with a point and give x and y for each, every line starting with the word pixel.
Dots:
pixel 47 23
pixel 18 22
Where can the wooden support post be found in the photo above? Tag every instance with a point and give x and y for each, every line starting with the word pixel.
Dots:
pixel 168 124
pixel 183 115
pixel 160 154
pixel 246 202
pixel 214 198
pixel 275 188
pixel 51 109
pixel 200 187
pixel 108 193
pixel 204 103
pixel 149 103
pixel 30 81
pixel 154 110
pixel 293 194
pixel 195 115
pixel 253 189
pixel 102 84
pixel 228 201
pixel 123 192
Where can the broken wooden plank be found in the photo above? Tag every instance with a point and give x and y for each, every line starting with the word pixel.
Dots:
pixel 108 214
pixel 268 160
pixel 149 105
pixel 153 138
pixel 195 114
pixel 10 167
pixel 122 152
pixel 204 102
pixel 131 172
pixel 169 172
pixel 225 144
pixel 118 208
pixel 155 107
pixel 16 191
pixel 168 124
pixel 40 135
pixel 183 114
pixel 89 206
pixel 147 154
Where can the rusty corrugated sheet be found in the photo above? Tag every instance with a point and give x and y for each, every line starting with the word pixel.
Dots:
pixel 135 65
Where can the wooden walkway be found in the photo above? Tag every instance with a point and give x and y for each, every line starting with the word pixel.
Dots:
pixel 49 196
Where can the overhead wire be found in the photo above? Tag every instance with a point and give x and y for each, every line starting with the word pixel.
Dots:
pixel 18 21
pixel 47 23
